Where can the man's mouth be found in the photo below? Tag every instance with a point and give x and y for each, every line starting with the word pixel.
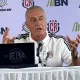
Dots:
pixel 39 28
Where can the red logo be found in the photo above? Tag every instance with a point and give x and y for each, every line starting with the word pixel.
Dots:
pixel 28 3
pixel 51 54
pixel 53 26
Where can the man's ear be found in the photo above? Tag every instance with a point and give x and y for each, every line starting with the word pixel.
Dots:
pixel 27 25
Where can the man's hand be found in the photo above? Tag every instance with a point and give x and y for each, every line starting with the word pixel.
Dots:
pixel 6 38
pixel 78 38
pixel 73 43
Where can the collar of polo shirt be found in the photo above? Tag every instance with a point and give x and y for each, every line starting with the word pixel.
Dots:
pixel 45 40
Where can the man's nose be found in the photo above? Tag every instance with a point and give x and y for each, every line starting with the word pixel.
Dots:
pixel 38 23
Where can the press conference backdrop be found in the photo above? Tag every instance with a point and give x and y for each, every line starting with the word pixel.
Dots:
pixel 63 16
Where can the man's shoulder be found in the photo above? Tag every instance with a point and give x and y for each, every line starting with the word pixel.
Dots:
pixel 21 38
pixel 58 38
pixel 24 36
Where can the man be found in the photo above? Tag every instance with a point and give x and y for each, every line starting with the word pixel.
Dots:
pixel 54 50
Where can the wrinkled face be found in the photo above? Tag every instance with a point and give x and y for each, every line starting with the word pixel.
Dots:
pixel 36 22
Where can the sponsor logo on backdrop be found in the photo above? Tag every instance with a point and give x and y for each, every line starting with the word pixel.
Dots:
pixel 76 27
pixel 53 26
pixel 57 3
pixel 2 4
pixel 27 3
pixel 2 30
pixel 24 28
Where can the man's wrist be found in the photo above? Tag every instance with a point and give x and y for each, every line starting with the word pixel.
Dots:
pixel 76 56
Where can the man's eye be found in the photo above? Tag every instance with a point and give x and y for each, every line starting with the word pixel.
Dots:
pixel 33 20
pixel 41 19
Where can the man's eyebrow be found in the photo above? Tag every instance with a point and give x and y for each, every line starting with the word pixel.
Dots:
pixel 35 18
pixel 41 16
pixel 32 18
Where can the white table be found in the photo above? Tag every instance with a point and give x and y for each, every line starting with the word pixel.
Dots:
pixel 41 73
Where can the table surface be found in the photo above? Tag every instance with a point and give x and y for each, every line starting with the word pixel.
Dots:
pixel 41 73
pixel 39 69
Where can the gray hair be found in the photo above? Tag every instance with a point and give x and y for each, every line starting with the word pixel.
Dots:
pixel 33 8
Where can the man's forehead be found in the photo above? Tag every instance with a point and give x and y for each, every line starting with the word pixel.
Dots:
pixel 34 17
pixel 35 12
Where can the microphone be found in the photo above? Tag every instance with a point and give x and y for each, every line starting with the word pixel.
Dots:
pixel 39 49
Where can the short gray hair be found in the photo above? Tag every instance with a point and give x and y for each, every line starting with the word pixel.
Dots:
pixel 33 8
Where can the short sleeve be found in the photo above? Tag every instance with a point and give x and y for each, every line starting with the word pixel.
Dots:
pixel 19 40
pixel 66 53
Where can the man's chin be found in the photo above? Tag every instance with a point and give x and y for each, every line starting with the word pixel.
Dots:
pixel 40 34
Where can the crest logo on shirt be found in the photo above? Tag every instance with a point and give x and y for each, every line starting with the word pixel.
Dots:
pixel 49 55
pixel 28 3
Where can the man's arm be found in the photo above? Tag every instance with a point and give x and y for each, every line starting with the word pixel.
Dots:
pixel 75 56
pixel 75 62
pixel 75 59
pixel 6 38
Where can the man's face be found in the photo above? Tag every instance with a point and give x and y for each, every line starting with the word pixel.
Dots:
pixel 36 22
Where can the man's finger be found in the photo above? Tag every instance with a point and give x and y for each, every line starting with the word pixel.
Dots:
pixel 79 35
pixel 68 38
pixel 78 40
pixel 75 43
pixel 6 38
pixel 6 33
pixel 72 46
pixel 5 41
pixel 12 40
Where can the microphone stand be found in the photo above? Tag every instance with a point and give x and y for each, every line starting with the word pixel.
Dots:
pixel 39 49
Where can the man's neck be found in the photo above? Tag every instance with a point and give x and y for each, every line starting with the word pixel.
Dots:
pixel 38 37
